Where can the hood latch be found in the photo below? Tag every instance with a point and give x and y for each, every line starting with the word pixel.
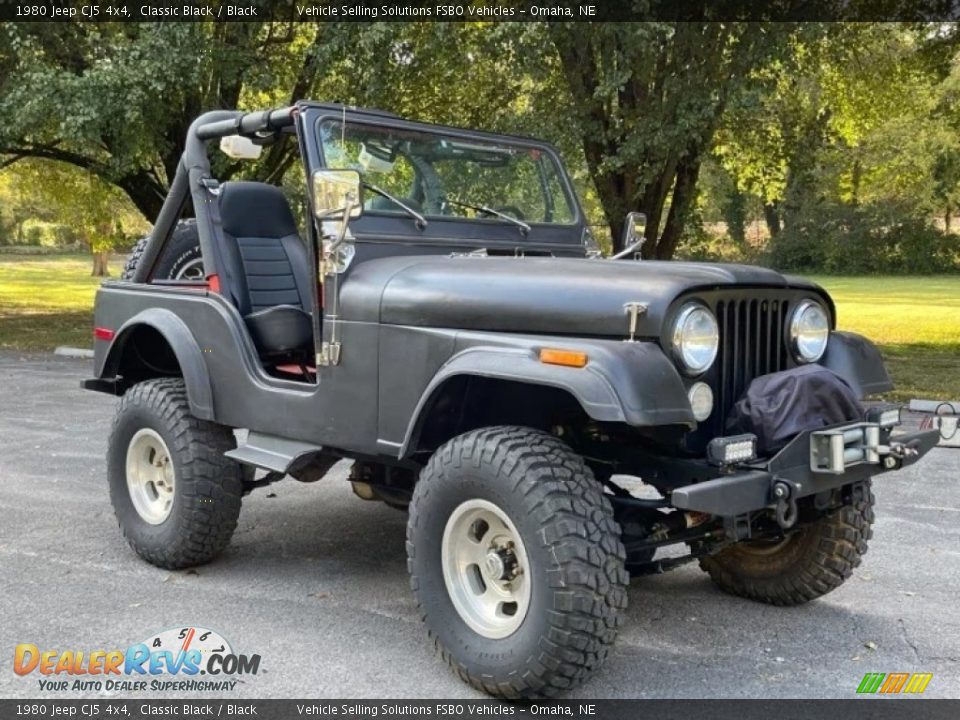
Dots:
pixel 634 310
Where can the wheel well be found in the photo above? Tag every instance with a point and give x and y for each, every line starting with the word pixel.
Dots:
pixel 144 354
pixel 468 402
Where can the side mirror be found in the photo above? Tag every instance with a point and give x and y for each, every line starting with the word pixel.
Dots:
pixel 337 194
pixel 633 238
pixel 636 223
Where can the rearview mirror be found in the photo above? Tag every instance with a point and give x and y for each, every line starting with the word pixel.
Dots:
pixel 337 193
pixel 239 147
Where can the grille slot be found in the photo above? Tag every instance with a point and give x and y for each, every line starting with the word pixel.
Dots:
pixel 751 345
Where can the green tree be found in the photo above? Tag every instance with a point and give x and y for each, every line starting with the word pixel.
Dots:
pixel 649 98
pixel 116 99
pixel 634 106
pixel 838 119
pixel 98 213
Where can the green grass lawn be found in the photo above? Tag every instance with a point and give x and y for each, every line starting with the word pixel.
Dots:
pixel 916 323
pixel 47 301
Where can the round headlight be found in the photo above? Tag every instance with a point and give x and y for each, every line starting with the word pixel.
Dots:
pixel 696 338
pixel 809 331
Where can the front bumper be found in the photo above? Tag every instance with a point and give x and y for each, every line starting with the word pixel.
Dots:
pixel 813 462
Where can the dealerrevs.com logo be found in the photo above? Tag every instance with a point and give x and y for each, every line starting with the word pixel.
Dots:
pixel 176 660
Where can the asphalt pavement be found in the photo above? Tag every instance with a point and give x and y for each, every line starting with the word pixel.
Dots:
pixel 315 582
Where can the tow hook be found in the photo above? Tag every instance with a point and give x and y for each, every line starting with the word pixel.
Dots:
pixel 902 451
pixel 895 453
pixel 786 505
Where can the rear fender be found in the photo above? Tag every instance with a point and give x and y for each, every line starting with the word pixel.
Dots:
pixel 193 368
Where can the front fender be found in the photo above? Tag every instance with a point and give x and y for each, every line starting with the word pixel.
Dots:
pixel 628 382
pixel 858 362
pixel 196 377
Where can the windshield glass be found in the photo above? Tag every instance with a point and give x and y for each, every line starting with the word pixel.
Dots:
pixel 443 176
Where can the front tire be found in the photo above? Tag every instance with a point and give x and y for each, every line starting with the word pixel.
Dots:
pixel 516 562
pixel 175 495
pixel 806 564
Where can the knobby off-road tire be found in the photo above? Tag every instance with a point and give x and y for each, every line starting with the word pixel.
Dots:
pixel 207 486
pixel 570 552
pixel 181 258
pixel 807 564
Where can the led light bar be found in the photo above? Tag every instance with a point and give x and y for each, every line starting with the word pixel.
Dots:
pixel 732 450
pixel 884 415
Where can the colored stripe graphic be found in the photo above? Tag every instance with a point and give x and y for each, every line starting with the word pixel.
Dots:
pixel 871 682
pixel 894 683
pixel 918 682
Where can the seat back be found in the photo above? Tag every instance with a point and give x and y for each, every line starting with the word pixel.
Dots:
pixel 266 261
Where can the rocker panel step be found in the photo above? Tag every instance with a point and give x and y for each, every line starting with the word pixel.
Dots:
pixel 271 452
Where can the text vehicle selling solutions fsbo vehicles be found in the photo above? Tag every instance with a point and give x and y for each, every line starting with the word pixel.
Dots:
pixel 550 418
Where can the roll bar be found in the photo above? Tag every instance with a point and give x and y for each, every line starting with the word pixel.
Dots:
pixel 193 179
pixel 248 124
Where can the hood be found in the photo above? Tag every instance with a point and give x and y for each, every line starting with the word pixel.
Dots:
pixel 566 296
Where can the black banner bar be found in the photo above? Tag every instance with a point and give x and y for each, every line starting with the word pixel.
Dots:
pixel 104 708
pixel 476 10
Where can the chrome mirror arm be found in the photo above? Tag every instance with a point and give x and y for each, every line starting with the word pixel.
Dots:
pixel 634 248
pixel 342 233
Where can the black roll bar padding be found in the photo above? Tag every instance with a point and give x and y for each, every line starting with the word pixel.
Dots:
pixel 197 163
pixel 220 128
pixel 166 220
pixel 192 170
pixel 194 165
pixel 254 122
pixel 247 124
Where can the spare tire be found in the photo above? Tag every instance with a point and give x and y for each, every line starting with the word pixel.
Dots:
pixel 181 259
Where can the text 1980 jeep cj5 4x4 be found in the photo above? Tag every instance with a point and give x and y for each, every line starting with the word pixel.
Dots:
pixel 440 319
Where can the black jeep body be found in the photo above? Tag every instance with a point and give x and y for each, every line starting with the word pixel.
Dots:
pixel 430 333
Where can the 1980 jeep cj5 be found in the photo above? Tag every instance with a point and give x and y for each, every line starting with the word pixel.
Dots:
pixel 440 319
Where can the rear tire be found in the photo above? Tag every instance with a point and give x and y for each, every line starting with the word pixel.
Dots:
pixel 543 617
pixel 175 495
pixel 807 564
pixel 181 258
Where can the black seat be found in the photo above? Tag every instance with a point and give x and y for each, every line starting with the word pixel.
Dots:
pixel 267 273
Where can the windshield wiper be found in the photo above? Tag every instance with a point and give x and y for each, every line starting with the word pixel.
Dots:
pixel 421 220
pixel 524 228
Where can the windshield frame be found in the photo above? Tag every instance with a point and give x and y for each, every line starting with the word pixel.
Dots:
pixel 374 224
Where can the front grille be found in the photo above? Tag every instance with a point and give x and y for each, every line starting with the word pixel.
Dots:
pixel 752 344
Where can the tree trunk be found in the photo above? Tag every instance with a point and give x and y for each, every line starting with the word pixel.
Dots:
pixel 771 215
pixel 684 194
pixel 101 263
pixel 144 190
pixel 948 219
pixel 735 216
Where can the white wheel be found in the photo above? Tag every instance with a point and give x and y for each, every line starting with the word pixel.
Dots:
pixel 175 494
pixel 524 603
pixel 485 568
pixel 151 480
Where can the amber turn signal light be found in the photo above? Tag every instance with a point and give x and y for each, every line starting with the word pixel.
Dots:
pixel 570 358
